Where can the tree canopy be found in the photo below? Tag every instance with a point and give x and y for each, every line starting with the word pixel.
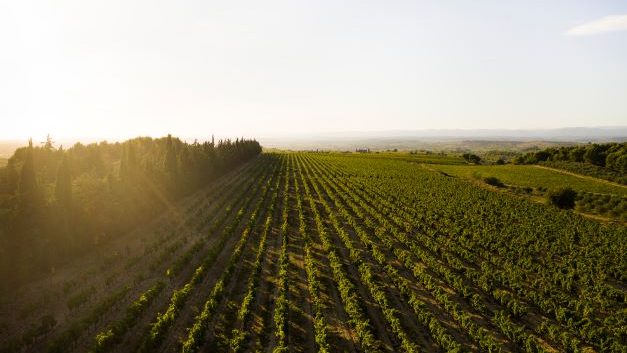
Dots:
pixel 56 203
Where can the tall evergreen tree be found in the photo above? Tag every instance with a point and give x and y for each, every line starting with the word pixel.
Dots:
pixel 171 167
pixel 63 188
pixel 170 157
pixel 12 177
pixel 128 163
pixel 89 200
pixel 49 143
pixel 27 188
pixel 123 173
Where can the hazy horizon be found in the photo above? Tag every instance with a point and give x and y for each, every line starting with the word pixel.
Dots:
pixel 430 139
pixel 573 132
pixel 120 69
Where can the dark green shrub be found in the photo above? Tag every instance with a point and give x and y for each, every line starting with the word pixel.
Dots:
pixel 562 197
pixel 471 158
pixel 494 181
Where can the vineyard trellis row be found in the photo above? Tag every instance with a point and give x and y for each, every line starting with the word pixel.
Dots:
pixel 447 246
pixel 370 255
pixel 69 338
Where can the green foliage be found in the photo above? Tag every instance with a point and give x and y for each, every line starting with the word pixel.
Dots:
pixel 562 197
pixel 63 188
pixel 471 158
pixel 531 176
pixel 66 339
pixel 449 240
pixel 494 181
pixel 416 260
pixel 69 201
pixel 282 304
pixel 238 337
pixel 607 161
pixel 611 206
pixel 196 334
pixel 313 274
pixel 589 170
pixel 27 187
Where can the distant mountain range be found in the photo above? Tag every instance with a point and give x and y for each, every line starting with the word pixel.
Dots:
pixel 447 139
pixel 570 134
pixel 434 139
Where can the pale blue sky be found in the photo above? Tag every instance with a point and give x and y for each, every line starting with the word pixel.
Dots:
pixel 121 68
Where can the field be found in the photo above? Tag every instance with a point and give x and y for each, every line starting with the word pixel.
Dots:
pixel 419 157
pixel 318 252
pixel 533 176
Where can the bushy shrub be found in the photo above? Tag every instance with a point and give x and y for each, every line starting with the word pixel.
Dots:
pixel 494 181
pixel 562 197
pixel 471 158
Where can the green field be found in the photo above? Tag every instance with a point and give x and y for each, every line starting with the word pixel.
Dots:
pixel 3 162
pixel 428 158
pixel 531 176
pixel 296 249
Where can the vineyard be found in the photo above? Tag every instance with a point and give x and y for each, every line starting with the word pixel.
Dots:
pixel 317 252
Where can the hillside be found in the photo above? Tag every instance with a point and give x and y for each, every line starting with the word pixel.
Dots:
pixel 349 252
pixel 605 161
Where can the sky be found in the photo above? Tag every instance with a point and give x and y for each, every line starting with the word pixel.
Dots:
pixel 122 68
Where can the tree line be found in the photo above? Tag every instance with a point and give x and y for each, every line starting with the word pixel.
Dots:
pixel 608 155
pixel 57 203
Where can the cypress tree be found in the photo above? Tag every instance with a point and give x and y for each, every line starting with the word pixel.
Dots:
pixel 170 157
pixel 171 166
pixel 27 188
pixel 131 159
pixel 12 177
pixel 123 172
pixel 63 188
pixel 27 217
pixel 128 164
